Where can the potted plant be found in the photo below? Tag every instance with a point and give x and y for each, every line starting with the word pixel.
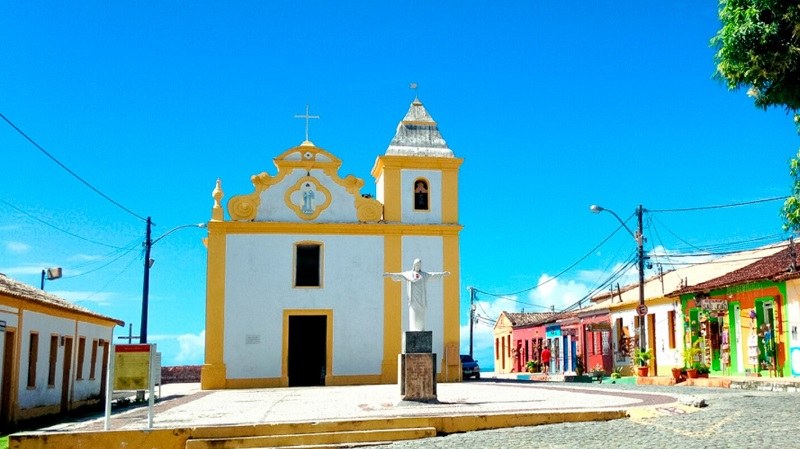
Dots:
pixel 678 373
pixel 702 369
pixel 579 368
pixel 598 373
pixel 641 359
pixel 532 366
pixel 689 357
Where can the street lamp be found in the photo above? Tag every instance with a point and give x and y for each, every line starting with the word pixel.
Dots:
pixel 148 262
pixel 639 237
pixel 51 273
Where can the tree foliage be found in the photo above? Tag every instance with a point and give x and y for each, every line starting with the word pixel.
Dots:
pixel 791 207
pixel 758 47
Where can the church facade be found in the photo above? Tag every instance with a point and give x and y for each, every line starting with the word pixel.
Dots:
pixel 295 289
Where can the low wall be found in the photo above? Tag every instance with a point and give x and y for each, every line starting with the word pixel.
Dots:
pixel 180 374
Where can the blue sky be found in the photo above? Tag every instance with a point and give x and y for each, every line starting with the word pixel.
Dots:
pixel 553 105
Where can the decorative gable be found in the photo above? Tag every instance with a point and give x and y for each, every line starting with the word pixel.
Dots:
pixel 307 188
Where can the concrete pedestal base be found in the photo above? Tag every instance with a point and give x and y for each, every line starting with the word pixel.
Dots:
pixel 417 377
pixel 417 367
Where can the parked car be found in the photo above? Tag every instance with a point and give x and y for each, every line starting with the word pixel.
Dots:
pixel 469 367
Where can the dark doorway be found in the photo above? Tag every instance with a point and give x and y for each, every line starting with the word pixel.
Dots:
pixel 65 378
pixel 307 350
pixel 7 378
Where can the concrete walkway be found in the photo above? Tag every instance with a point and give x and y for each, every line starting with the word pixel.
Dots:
pixel 185 405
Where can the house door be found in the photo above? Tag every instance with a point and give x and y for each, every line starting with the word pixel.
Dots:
pixel 7 377
pixel 65 377
pixel 307 350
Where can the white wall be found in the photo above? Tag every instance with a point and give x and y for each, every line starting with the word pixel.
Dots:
pixel 46 325
pixel 793 327
pixel 258 287
pixel 86 387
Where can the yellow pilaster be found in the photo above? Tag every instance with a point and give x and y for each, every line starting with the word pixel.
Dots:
pixel 450 196
pixel 392 312
pixel 391 196
pixel 212 374
pixel 452 334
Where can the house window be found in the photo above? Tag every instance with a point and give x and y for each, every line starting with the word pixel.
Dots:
pixel 671 327
pixel 81 357
pixel 308 265
pixel 421 195
pixel 93 366
pixel 33 355
pixel 606 342
pixel 496 348
pixel 51 369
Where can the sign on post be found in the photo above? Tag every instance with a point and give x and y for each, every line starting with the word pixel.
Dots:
pixel 131 369
pixel 641 309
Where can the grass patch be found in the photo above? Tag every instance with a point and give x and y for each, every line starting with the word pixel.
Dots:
pixel 4 442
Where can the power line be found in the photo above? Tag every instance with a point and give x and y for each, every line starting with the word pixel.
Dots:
pixel 86 183
pixel 720 206
pixel 57 228
pixel 557 275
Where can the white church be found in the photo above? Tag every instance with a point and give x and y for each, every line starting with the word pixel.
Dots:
pixel 295 289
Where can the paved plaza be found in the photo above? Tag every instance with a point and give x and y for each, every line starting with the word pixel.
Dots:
pixel 660 416
pixel 732 419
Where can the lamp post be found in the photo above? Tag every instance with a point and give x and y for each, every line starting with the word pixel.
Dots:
pixel 639 237
pixel 148 262
pixel 51 273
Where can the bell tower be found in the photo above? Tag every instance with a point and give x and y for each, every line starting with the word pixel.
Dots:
pixel 417 177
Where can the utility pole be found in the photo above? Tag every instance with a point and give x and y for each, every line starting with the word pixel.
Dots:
pixel 146 284
pixel 640 250
pixel 471 315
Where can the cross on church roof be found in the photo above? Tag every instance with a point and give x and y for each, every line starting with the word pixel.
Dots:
pixel 307 117
pixel 414 87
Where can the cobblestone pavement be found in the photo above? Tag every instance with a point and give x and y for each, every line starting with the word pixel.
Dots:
pixel 732 419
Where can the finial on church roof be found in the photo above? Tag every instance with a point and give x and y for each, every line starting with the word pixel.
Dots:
pixel 217 194
pixel 415 87
pixel 307 117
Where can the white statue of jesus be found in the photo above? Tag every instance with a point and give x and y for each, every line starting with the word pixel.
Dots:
pixel 416 281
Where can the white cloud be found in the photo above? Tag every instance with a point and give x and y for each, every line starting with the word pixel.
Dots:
pixel 83 297
pixel 556 293
pixel 86 258
pixel 17 247
pixel 191 348
pixel 23 270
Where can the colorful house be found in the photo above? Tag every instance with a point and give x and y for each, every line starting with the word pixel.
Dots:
pixel 516 340
pixel 746 321
pixel 54 353
pixel 296 293
pixel 664 317
pixel 595 350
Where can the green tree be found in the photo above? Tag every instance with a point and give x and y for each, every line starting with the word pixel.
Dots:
pixel 791 207
pixel 758 47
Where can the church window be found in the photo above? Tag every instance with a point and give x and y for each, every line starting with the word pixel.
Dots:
pixel 308 265
pixel 421 195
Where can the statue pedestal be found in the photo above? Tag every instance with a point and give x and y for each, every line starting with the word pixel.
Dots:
pixel 417 367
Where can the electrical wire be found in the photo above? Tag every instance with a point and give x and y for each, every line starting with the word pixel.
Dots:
pixel 75 175
pixel 57 228
pixel 720 206
pixel 101 266
pixel 552 278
